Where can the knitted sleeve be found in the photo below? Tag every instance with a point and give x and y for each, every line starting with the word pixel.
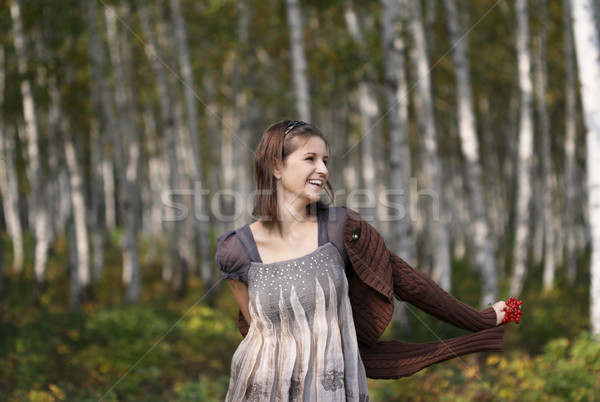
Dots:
pixel 421 291
pixel 395 359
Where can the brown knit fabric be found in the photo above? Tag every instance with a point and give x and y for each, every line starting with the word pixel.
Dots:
pixel 395 359
pixel 372 261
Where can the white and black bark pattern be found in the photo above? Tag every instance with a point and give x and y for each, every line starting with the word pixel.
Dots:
pixel 127 185
pixel 41 220
pixel 480 231
pixel 167 128
pixel 192 119
pixel 587 46
pixel 396 92
pixel 570 179
pixel 78 205
pixel 524 181
pixel 8 179
pixel 299 63
pixel 548 178
pixel 367 104
pixel 431 165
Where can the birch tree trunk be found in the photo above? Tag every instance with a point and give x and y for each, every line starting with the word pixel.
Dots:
pixel 166 126
pixel 156 184
pixel 192 119
pixel 8 180
pixel 97 158
pixel 186 246
pixel 396 92
pixel 79 213
pixel 246 117
pixel 396 95
pixel 481 238
pixel 569 179
pixel 108 128
pixel 10 196
pixel 78 207
pixel 524 182
pixel 74 289
pixel 8 216
pixel 299 64
pixel 541 84
pixel 441 249
pixel 126 184
pixel 587 46
pixel 120 52
pixel 367 104
pixel 42 229
pixel 1 278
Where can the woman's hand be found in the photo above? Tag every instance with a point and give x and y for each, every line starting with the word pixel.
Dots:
pixel 500 313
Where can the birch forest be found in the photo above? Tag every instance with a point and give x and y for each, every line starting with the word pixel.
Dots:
pixel 466 131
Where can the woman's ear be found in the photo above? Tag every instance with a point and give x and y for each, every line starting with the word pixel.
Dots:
pixel 277 168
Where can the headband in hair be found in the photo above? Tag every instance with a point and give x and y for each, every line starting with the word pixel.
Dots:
pixel 293 124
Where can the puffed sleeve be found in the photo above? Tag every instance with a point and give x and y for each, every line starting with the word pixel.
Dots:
pixel 231 258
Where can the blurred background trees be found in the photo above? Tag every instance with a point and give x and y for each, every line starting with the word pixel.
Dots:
pixel 465 131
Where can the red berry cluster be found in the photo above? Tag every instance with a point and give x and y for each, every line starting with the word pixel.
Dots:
pixel 513 310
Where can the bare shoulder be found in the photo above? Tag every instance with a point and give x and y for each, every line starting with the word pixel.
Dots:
pixel 259 231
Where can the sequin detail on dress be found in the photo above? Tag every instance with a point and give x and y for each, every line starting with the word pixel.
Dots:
pixel 301 345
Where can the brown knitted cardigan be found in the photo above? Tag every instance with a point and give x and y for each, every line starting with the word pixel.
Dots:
pixel 375 275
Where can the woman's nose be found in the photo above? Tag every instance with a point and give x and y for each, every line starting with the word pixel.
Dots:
pixel 322 168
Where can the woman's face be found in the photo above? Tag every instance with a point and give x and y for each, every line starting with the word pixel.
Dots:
pixel 304 173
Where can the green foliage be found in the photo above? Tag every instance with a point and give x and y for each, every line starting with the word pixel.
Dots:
pixel 205 389
pixel 566 371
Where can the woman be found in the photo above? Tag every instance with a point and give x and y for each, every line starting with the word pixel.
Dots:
pixel 315 287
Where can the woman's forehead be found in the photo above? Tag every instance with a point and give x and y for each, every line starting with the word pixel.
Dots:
pixel 311 144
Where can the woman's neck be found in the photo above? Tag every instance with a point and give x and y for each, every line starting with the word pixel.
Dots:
pixel 291 218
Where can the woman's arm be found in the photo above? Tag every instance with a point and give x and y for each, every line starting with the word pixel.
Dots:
pixel 240 292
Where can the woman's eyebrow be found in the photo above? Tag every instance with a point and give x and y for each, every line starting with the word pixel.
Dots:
pixel 314 153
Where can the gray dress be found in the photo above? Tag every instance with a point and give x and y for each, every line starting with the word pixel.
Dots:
pixel 301 344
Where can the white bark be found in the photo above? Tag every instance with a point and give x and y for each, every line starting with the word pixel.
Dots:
pixel 187 170
pixel 97 158
pixel 8 180
pixel 10 196
pixel 79 214
pixel 78 206
pixel 587 45
pixel 108 178
pixel 1 279
pixel 367 104
pixel 192 118
pixel 42 229
pixel 570 180
pixel 166 126
pixel 396 92
pixel 548 185
pixel 524 185
pixel 109 129
pixel 157 181
pixel 299 64
pixel 441 249
pixel 127 186
pixel 481 237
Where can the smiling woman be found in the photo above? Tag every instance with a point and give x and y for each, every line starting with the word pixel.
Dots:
pixel 272 157
pixel 315 287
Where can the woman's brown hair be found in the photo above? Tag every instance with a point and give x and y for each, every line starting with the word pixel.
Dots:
pixel 278 141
